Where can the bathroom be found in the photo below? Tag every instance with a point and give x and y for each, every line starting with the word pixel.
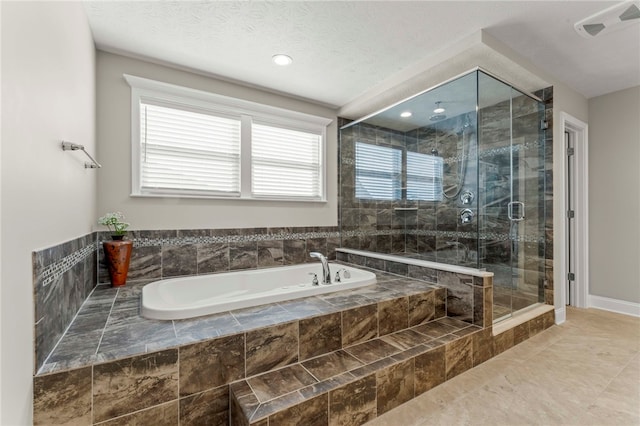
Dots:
pixel 49 193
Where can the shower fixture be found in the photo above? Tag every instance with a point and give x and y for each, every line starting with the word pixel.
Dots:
pixel 439 109
pixel 69 146
pixel 437 117
pixel 611 19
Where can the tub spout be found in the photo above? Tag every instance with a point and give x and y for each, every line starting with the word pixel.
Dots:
pixel 326 273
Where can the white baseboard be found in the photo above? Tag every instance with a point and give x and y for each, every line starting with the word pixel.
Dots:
pixel 561 315
pixel 614 305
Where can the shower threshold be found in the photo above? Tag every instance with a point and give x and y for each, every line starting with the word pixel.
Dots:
pixel 520 317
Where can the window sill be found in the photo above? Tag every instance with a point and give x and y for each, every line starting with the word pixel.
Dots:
pixel 220 198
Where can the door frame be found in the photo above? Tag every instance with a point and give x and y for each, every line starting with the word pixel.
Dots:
pixel 579 130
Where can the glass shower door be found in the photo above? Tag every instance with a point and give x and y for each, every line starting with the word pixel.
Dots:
pixel 511 175
pixel 526 206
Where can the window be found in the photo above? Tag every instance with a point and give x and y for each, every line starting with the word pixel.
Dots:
pixel 424 177
pixel 380 171
pixel 189 143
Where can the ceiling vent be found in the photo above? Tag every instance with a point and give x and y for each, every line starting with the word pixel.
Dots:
pixel 611 19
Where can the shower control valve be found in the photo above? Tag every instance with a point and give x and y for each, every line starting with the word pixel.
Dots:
pixel 466 216
pixel 467 197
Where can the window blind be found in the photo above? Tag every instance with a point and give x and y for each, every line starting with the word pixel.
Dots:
pixel 378 172
pixel 424 177
pixel 185 151
pixel 285 163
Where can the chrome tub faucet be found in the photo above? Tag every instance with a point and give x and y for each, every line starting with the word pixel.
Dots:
pixel 326 273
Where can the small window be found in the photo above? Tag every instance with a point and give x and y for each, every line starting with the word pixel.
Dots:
pixel 189 143
pixel 378 172
pixel 424 177
pixel 188 152
pixel 285 162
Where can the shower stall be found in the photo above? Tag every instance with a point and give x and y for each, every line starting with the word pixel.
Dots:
pixel 454 175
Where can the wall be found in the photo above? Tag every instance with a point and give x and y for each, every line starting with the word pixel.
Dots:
pixel 48 79
pixel 614 205
pixel 114 140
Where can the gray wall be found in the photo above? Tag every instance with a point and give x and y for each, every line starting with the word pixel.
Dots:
pixel 114 152
pixel 48 80
pixel 614 195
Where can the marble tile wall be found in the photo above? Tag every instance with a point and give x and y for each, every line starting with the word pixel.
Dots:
pixel 358 383
pixel 191 382
pixel 63 276
pixel 171 253
pixel 468 298
pixel 432 232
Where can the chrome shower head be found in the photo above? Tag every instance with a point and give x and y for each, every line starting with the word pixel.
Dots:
pixel 437 117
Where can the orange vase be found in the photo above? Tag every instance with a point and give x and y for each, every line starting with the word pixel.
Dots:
pixel 118 255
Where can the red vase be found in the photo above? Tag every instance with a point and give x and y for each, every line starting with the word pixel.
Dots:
pixel 118 255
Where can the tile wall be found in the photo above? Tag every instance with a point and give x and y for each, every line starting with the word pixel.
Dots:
pixel 65 274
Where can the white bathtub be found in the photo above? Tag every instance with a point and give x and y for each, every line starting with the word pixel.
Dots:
pixel 187 297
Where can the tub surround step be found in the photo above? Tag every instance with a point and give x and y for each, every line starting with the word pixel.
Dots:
pixel 109 325
pixel 360 381
pixel 339 345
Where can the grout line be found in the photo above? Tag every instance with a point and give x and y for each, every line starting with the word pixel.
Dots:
pixel 106 322
pixel 66 330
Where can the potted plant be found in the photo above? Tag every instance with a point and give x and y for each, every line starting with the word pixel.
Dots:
pixel 118 250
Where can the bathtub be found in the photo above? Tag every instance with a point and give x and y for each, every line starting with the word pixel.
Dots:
pixel 188 297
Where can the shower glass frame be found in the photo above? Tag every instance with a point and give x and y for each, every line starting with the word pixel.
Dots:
pixel 490 150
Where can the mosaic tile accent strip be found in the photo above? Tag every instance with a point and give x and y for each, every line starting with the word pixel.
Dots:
pixel 56 270
pixel 214 239
pixel 448 234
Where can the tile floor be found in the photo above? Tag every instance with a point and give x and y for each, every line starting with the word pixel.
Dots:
pixel 583 372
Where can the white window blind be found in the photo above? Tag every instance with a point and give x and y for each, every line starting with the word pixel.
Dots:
pixel 192 143
pixel 378 172
pixel 285 163
pixel 183 151
pixel 424 177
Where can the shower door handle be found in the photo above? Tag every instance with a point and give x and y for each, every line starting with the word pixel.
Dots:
pixel 515 211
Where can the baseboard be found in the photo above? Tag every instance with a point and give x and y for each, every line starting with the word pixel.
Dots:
pixel 561 315
pixel 614 305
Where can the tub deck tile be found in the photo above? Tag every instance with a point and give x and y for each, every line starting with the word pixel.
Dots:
pixel 110 326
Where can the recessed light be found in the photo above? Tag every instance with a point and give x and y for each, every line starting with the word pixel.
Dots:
pixel 406 114
pixel 282 59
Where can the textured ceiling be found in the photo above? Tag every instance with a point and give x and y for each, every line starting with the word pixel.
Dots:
pixel 341 50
